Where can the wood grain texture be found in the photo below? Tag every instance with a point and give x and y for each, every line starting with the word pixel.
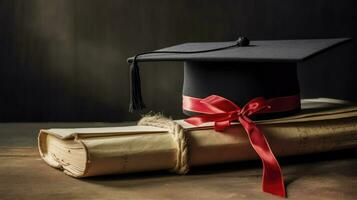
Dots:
pixel 25 176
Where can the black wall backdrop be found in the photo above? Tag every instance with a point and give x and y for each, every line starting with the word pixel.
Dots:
pixel 65 60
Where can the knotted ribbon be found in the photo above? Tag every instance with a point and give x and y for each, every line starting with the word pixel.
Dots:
pixel 223 112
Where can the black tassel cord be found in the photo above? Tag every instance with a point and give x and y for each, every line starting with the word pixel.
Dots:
pixel 136 100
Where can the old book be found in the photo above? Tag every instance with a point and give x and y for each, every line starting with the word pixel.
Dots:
pixel 322 125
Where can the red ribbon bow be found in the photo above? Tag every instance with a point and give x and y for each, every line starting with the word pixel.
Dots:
pixel 222 112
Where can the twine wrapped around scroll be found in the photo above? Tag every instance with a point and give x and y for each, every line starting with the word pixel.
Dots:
pixel 178 134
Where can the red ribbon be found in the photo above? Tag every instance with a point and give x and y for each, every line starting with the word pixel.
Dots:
pixel 222 112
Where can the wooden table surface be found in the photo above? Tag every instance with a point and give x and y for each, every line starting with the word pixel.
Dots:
pixel 23 175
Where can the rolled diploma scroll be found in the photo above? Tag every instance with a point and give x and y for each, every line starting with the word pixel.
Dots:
pixel 158 151
pixel 144 148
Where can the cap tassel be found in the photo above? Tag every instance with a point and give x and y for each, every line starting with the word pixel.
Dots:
pixel 136 101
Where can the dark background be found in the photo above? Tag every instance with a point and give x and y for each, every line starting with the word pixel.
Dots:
pixel 65 60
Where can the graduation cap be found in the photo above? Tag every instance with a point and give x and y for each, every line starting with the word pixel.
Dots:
pixel 220 77
pixel 238 70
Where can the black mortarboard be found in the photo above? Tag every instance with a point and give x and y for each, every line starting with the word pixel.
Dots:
pixel 238 70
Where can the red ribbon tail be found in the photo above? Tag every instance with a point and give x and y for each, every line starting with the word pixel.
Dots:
pixel 273 181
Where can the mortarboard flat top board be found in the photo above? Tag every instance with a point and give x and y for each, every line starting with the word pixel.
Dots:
pixel 236 70
pixel 257 51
